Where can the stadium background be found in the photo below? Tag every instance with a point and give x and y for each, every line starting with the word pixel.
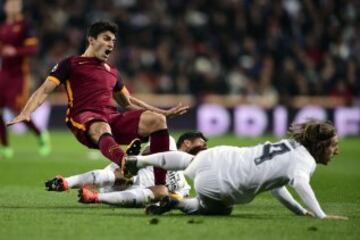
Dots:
pixel 276 61
pixel 286 53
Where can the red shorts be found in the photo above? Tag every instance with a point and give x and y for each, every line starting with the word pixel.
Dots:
pixel 124 125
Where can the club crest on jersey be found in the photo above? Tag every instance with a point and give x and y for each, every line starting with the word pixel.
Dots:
pixel 107 67
pixel 54 68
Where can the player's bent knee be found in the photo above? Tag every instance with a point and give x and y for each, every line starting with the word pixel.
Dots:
pixel 159 122
pixel 153 121
pixel 97 129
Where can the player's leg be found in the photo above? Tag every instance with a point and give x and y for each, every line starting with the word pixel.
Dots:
pixel 43 138
pixel 135 197
pixel 207 185
pixel 142 124
pixel 202 205
pixel 190 206
pixel 154 125
pixel 207 202
pixel 98 178
pixel 5 150
pixel 107 177
pixel 100 133
pixel 172 160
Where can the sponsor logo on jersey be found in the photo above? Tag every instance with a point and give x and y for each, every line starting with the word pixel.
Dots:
pixel 54 68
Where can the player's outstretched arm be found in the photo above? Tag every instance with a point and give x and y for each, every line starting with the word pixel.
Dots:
pixel 303 188
pixel 36 99
pixel 284 196
pixel 172 112
pixel 124 99
pixel 171 160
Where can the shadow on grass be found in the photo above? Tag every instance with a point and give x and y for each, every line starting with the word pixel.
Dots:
pixel 180 215
pixel 133 212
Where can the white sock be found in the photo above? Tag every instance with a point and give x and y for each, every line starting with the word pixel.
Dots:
pixel 172 160
pixel 136 197
pixel 172 144
pixel 111 167
pixel 99 178
pixel 189 205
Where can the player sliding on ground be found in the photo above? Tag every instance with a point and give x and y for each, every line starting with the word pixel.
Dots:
pixel 225 175
pixel 91 84
pixel 141 190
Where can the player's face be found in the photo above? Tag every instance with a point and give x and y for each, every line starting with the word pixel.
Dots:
pixel 332 150
pixel 13 7
pixel 195 146
pixel 103 45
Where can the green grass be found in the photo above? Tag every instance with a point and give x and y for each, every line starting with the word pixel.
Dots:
pixel 29 212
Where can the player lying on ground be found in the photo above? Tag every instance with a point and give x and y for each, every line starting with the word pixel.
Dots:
pixel 92 85
pixel 112 188
pixel 225 175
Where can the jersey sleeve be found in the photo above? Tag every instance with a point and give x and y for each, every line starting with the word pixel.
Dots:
pixel 120 86
pixel 303 188
pixel 284 196
pixel 60 72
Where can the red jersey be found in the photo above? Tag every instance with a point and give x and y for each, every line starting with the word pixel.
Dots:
pixel 15 70
pixel 89 83
pixel 21 36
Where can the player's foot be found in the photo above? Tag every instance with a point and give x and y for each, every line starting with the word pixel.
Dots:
pixel 44 142
pixel 130 168
pixel 166 204
pixel 134 147
pixel 87 196
pixel 6 152
pixel 58 184
pixel 175 196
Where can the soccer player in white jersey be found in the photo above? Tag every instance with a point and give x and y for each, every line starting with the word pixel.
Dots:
pixel 225 175
pixel 115 190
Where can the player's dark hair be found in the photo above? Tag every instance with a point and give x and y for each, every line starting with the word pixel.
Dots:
pixel 102 26
pixel 190 136
pixel 315 136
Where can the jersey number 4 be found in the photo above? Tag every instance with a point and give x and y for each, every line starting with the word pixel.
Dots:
pixel 270 151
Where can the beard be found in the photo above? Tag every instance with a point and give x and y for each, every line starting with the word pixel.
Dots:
pixel 196 150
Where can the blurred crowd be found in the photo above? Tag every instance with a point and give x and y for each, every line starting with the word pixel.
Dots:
pixel 199 47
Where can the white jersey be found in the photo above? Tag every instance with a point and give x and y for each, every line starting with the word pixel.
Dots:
pixel 175 180
pixel 244 172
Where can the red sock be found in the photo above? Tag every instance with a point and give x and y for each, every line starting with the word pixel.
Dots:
pixel 31 125
pixel 159 142
pixel 3 132
pixel 110 149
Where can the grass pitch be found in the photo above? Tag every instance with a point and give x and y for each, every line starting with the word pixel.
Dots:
pixel 27 211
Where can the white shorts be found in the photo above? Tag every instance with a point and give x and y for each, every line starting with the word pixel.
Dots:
pixel 207 185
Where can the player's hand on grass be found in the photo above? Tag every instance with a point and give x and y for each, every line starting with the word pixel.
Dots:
pixel 335 217
pixel 22 117
pixel 178 110
pixel 309 214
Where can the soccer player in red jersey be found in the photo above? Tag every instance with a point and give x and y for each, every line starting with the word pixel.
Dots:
pixel 17 43
pixel 91 85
